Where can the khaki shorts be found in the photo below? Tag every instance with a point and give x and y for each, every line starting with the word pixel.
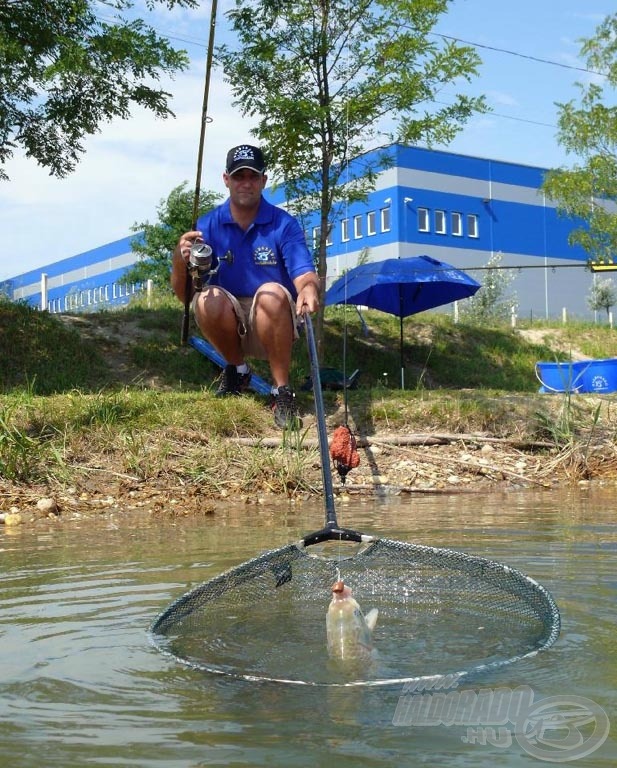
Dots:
pixel 244 309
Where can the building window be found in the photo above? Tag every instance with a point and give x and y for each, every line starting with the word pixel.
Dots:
pixel 385 219
pixel 344 230
pixel 423 220
pixel 316 235
pixel 472 225
pixel 370 223
pixel 329 235
pixel 357 226
pixel 440 222
pixel 457 224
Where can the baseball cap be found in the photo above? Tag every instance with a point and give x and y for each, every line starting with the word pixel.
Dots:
pixel 245 156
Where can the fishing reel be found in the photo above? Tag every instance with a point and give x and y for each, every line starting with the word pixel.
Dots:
pixel 200 264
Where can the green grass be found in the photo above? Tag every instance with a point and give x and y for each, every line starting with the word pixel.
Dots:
pixel 437 353
pixel 42 354
pixel 39 353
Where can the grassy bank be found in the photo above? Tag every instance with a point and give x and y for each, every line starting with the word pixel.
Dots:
pixel 115 393
pixel 46 354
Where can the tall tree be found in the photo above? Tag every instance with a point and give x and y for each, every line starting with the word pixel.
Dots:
pixel 588 129
pixel 155 242
pixel 64 72
pixel 325 78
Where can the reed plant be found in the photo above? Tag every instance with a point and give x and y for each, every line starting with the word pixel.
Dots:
pixel 25 454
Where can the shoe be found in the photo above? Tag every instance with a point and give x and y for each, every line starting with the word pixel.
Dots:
pixel 284 409
pixel 232 382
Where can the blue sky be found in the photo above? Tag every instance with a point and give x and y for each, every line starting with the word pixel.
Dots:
pixel 133 165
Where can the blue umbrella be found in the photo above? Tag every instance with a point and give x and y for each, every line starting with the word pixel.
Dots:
pixel 402 287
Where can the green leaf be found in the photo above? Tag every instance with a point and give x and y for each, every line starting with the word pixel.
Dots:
pixel 588 129
pixel 156 245
pixel 64 73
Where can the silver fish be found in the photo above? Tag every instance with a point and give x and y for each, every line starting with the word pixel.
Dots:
pixel 348 630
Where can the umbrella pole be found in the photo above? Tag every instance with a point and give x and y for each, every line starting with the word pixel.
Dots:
pixel 402 362
pixel 400 300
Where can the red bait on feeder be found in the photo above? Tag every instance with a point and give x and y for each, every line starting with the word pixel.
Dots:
pixel 344 451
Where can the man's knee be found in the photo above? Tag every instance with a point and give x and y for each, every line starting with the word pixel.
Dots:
pixel 211 302
pixel 212 308
pixel 272 298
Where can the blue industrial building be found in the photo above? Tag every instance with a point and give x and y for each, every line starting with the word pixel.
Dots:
pixel 455 208
pixel 81 283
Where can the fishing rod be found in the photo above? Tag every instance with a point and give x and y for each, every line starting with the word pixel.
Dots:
pixel 202 140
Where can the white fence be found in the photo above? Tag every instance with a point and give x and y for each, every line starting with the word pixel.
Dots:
pixel 89 299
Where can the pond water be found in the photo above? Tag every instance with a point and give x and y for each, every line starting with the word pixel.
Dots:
pixel 81 683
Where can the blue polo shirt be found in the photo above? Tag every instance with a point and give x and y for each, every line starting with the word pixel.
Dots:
pixel 273 249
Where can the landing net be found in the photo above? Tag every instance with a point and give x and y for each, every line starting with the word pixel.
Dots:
pixel 441 613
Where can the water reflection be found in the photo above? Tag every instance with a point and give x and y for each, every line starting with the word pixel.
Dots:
pixel 79 682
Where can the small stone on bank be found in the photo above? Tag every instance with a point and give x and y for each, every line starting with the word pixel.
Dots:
pixel 10 518
pixel 47 506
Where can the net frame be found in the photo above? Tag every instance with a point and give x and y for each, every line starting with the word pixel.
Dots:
pixel 436 574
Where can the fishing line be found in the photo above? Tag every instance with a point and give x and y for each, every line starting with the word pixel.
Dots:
pixel 345 397
pixel 346 69
pixel 343 448
pixel 345 324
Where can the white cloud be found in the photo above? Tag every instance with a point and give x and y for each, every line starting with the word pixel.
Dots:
pixel 127 170
pixel 502 98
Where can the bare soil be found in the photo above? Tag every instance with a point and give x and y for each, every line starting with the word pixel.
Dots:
pixel 558 341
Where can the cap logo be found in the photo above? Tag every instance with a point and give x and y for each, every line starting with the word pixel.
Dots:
pixel 244 153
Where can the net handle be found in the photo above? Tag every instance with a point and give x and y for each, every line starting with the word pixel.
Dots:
pixel 331 531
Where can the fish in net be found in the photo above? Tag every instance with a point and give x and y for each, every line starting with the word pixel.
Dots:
pixel 442 613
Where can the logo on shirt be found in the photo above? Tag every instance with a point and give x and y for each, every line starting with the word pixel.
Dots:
pixel 264 256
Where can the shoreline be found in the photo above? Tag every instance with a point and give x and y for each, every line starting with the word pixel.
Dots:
pixel 390 465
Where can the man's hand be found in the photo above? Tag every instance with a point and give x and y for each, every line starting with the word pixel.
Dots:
pixel 308 293
pixel 185 243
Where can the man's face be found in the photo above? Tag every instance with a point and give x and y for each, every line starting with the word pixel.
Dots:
pixel 245 187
